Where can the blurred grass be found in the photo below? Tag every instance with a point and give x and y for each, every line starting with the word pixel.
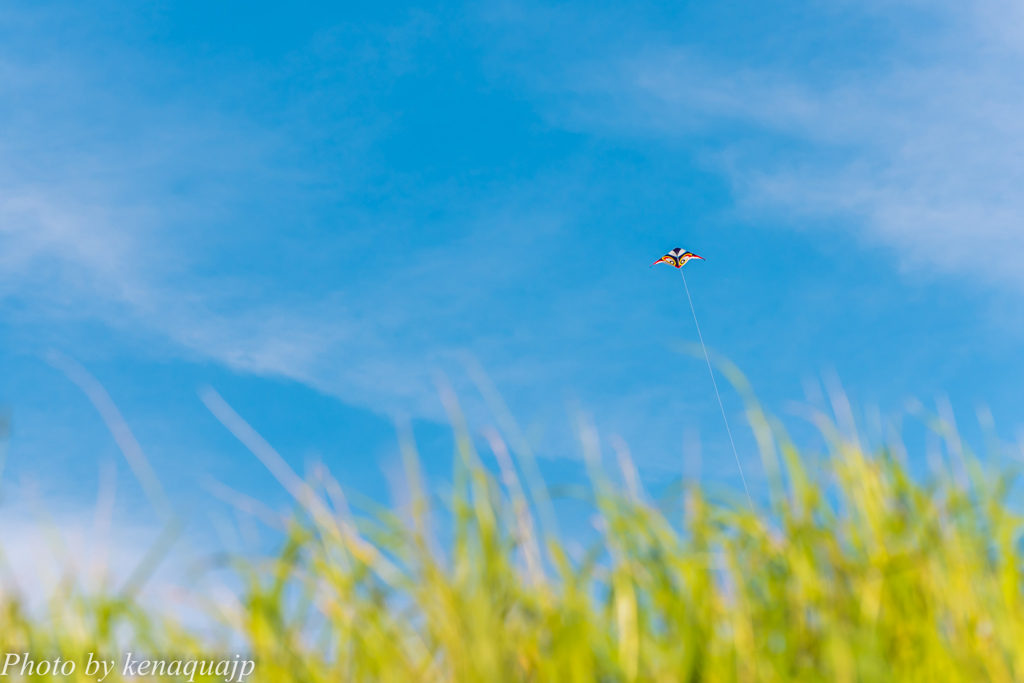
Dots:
pixel 853 571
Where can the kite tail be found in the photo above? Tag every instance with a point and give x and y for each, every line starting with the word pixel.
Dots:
pixel 718 395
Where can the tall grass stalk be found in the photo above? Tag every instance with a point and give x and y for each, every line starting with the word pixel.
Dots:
pixel 852 571
pixel 855 572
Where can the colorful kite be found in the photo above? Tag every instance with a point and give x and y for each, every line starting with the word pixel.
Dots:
pixel 677 258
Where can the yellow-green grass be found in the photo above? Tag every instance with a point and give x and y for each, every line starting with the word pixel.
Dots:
pixel 852 571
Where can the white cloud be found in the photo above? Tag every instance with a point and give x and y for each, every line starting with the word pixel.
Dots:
pixel 93 224
pixel 930 159
pixel 922 152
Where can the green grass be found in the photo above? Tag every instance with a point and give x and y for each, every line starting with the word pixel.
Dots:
pixel 854 571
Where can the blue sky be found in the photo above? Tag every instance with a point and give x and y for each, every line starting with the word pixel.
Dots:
pixel 315 207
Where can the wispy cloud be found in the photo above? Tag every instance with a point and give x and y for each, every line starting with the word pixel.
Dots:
pixel 920 149
pixel 114 196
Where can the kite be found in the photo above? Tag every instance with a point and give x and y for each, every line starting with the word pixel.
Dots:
pixel 677 258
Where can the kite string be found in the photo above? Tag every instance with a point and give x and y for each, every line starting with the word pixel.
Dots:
pixel 718 395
